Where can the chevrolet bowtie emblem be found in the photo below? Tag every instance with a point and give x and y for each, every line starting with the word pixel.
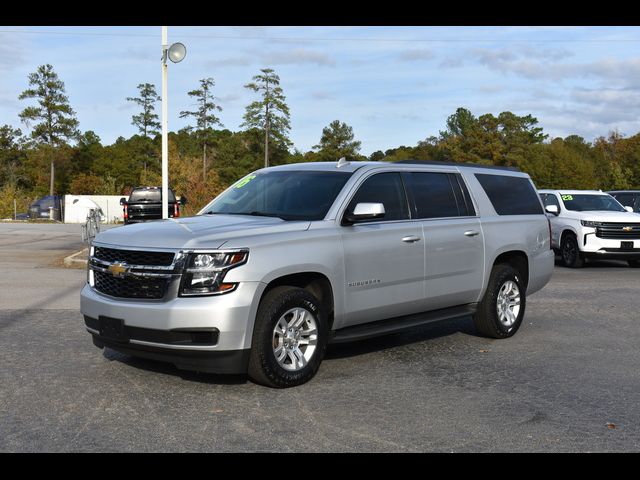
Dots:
pixel 627 229
pixel 118 269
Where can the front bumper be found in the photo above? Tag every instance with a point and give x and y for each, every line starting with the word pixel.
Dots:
pixel 595 247
pixel 223 362
pixel 155 324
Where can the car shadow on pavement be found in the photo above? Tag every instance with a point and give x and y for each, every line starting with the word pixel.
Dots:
pixel 413 335
pixel 595 264
pixel 170 369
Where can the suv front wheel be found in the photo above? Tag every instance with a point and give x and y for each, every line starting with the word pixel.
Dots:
pixel 570 252
pixel 501 310
pixel 289 338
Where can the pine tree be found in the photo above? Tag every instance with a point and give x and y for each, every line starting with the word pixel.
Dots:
pixel 204 116
pixel 53 118
pixel 147 120
pixel 337 141
pixel 271 113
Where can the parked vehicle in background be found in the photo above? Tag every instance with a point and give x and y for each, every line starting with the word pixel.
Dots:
pixel 591 224
pixel 290 258
pixel 41 208
pixel 628 198
pixel 145 203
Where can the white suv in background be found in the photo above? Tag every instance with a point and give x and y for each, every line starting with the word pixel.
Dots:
pixel 591 224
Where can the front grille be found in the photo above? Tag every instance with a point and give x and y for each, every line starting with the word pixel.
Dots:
pixel 152 210
pixel 614 231
pixel 129 287
pixel 134 257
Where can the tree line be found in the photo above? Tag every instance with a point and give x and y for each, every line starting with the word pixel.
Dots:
pixel 54 155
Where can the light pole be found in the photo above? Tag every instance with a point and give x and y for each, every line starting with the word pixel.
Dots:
pixel 176 53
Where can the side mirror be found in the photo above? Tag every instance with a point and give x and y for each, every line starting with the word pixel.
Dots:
pixel 183 200
pixel 123 201
pixel 364 212
pixel 552 209
pixel 629 209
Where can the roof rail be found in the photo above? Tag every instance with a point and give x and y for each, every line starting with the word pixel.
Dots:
pixel 457 164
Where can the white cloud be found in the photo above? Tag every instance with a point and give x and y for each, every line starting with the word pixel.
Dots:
pixel 416 55
pixel 297 56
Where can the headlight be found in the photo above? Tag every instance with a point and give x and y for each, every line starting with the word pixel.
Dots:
pixel 589 223
pixel 90 279
pixel 204 272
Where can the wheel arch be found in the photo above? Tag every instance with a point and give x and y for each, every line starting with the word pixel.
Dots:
pixel 568 231
pixel 314 282
pixel 519 260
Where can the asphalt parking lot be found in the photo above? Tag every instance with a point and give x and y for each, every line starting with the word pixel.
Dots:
pixel 568 381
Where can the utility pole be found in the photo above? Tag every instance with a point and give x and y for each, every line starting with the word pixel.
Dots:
pixel 165 131
pixel 51 176
pixel 176 54
pixel 266 130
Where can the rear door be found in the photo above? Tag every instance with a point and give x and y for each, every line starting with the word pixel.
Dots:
pixel 454 244
pixel 383 259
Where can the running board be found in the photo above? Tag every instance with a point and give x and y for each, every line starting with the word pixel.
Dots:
pixel 393 325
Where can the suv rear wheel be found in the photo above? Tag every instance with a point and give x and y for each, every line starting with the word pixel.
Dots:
pixel 289 338
pixel 501 310
pixel 570 252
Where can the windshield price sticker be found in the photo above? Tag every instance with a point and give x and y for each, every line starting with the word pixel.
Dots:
pixel 244 181
pixel 567 197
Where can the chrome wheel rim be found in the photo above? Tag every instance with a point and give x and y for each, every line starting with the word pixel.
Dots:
pixel 295 337
pixel 508 303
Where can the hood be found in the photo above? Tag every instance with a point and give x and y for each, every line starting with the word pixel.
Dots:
pixel 201 231
pixel 606 216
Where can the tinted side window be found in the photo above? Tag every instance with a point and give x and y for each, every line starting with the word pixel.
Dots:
pixel 625 199
pixel 510 195
pixel 471 210
pixel 385 188
pixel 434 195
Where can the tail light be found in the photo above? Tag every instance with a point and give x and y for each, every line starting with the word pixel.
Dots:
pixel 125 211
pixel 176 210
pixel 549 224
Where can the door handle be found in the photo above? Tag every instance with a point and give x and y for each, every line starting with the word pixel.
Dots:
pixel 471 233
pixel 410 239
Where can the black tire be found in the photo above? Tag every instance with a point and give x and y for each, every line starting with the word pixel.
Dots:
pixel 486 317
pixel 263 366
pixel 634 263
pixel 570 253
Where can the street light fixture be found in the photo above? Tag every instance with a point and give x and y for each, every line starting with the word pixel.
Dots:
pixel 176 54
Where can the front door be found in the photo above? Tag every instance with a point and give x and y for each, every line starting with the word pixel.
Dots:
pixel 384 259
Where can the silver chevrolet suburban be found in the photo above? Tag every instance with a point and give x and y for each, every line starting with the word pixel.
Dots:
pixel 291 258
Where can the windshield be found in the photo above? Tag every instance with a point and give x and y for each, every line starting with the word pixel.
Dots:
pixel 290 195
pixel 583 203
pixel 151 195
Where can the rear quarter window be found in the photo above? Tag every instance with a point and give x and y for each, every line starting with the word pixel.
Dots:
pixel 510 195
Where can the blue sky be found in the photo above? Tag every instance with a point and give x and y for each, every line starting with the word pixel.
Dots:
pixel 394 85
